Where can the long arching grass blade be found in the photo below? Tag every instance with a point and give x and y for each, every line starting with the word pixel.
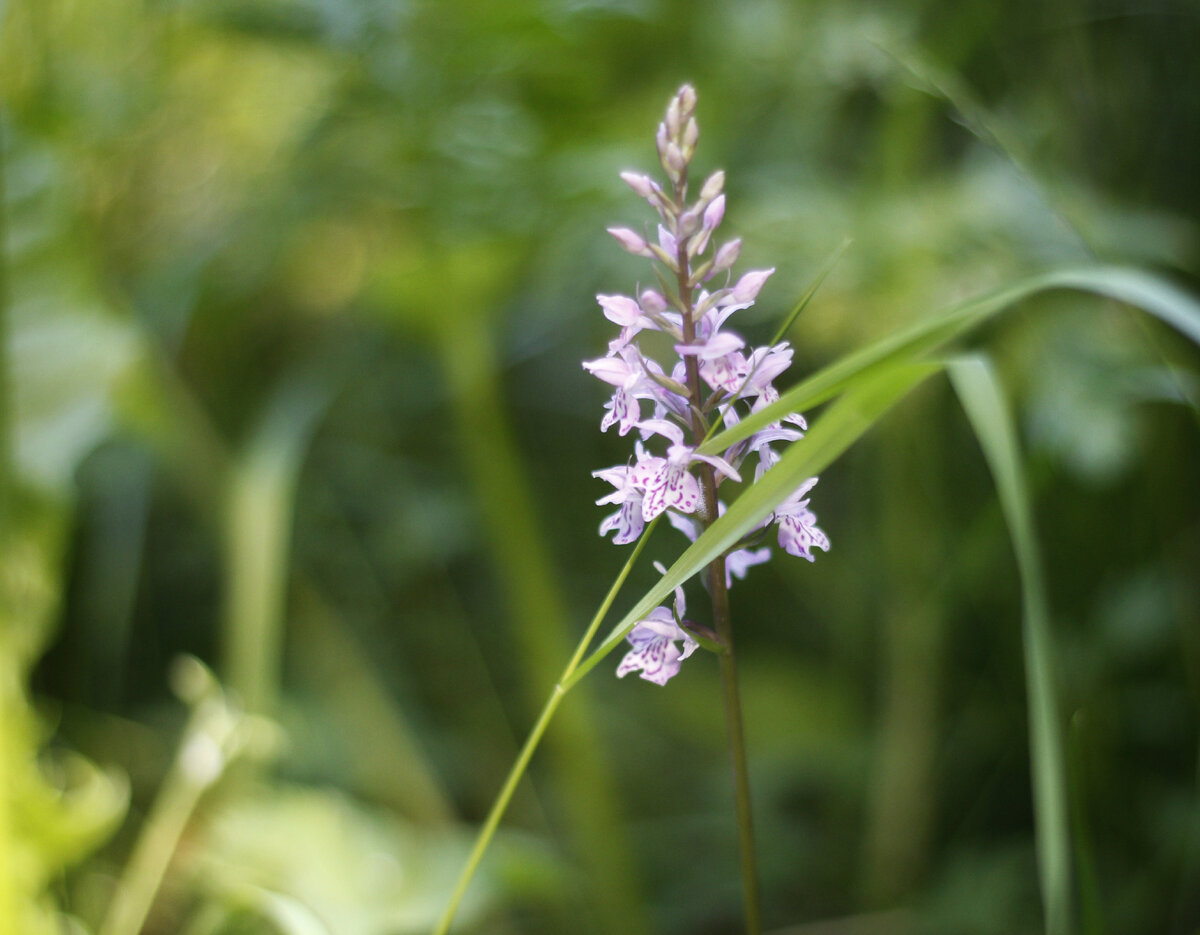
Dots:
pixel 981 398
pixel 836 430
pixel 1150 293
pixel 484 838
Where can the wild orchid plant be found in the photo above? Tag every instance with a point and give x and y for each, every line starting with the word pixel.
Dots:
pixel 716 406
pixel 713 383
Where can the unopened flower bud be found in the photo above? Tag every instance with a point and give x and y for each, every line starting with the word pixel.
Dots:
pixel 713 213
pixel 691 133
pixel 674 161
pixel 726 256
pixel 748 286
pixel 643 185
pixel 667 241
pixel 674 119
pixel 652 302
pixel 630 241
pixel 687 100
pixel 713 186
pixel 619 309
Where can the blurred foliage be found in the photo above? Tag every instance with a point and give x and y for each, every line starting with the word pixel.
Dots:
pixel 294 296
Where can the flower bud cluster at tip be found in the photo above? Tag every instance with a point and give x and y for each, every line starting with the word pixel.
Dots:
pixel 654 399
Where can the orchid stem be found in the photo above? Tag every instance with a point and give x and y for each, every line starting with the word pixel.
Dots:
pixel 737 748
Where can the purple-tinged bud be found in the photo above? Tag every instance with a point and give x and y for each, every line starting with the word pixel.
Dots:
pixel 661 138
pixel 691 134
pixel 652 302
pixel 726 256
pixel 619 309
pixel 713 186
pixel 630 241
pixel 748 286
pixel 667 241
pixel 612 370
pixel 713 213
pixel 643 185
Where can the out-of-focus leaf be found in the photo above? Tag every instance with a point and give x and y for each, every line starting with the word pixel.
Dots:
pixel 1147 292
pixel 66 362
pixel 980 395
pixel 360 871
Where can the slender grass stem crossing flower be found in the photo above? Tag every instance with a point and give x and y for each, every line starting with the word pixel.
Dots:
pixel 713 379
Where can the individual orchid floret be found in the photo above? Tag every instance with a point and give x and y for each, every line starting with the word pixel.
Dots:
pixel 669 485
pixel 632 377
pixel 740 561
pixel 654 653
pixel 627 521
pixel 798 530
pixel 666 483
pixel 624 311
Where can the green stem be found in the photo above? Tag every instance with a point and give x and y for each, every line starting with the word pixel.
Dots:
pixel 499 807
pixel 209 743
pixel 737 747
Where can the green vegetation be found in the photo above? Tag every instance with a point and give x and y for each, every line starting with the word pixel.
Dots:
pixel 296 509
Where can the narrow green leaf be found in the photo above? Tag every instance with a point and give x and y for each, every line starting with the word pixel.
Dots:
pixel 1150 293
pixel 981 398
pixel 844 423
pixel 818 280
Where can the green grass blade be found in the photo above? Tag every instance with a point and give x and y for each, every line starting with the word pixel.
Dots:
pixel 826 268
pixel 981 398
pixel 1150 293
pixel 836 430
pixel 258 528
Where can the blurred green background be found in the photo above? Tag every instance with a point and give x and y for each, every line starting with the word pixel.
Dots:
pixel 294 298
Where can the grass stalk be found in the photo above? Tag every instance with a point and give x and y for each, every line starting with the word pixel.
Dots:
pixel 561 687
pixel 979 391
pixel 213 737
